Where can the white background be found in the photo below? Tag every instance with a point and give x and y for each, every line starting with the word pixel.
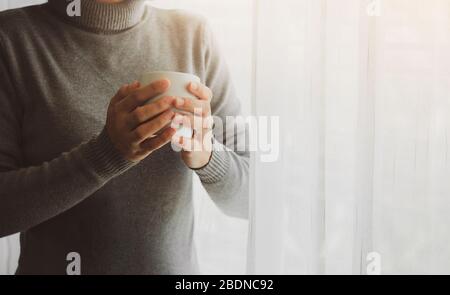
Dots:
pixel 364 102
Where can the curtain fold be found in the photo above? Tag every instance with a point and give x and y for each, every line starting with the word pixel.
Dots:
pixel 411 191
pixel 288 228
pixel 362 91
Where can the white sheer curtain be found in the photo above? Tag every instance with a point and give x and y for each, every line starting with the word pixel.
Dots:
pixel 362 90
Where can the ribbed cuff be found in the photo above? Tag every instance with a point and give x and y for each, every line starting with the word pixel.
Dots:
pixel 217 167
pixel 105 160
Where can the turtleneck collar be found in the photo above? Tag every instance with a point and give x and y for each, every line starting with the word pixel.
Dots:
pixel 101 17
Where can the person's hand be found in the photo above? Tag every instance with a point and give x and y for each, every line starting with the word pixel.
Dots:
pixel 196 150
pixel 133 126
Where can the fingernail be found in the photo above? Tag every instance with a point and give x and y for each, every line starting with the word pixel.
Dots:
pixel 165 83
pixel 168 99
pixel 194 86
pixel 180 101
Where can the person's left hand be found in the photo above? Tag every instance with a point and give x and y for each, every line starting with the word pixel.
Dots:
pixel 196 150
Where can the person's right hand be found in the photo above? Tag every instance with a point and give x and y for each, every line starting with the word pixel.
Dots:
pixel 133 126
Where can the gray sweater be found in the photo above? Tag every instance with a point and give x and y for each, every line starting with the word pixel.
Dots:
pixel 62 183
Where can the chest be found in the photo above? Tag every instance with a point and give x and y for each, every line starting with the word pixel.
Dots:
pixel 67 96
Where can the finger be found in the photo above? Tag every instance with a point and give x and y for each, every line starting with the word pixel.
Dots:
pixel 192 121
pixel 193 145
pixel 197 107
pixel 188 144
pixel 184 143
pixel 121 94
pixel 124 91
pixel 142 95
pixel 200 91
pixel 159 141
pixel 147 112
pixel 133 86
pixel 147 130
pixel 205 139
pixel 175 141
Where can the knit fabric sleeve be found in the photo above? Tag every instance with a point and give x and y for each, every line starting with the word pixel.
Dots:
pixel 32 195
pixel 226 177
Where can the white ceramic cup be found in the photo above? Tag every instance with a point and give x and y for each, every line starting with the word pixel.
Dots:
pixel 178 88
pixel 178 83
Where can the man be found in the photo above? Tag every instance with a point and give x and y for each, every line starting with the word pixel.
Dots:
pixel 81 170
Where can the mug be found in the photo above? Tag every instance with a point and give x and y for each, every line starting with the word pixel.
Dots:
pixel 178 88
pixel 179 83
